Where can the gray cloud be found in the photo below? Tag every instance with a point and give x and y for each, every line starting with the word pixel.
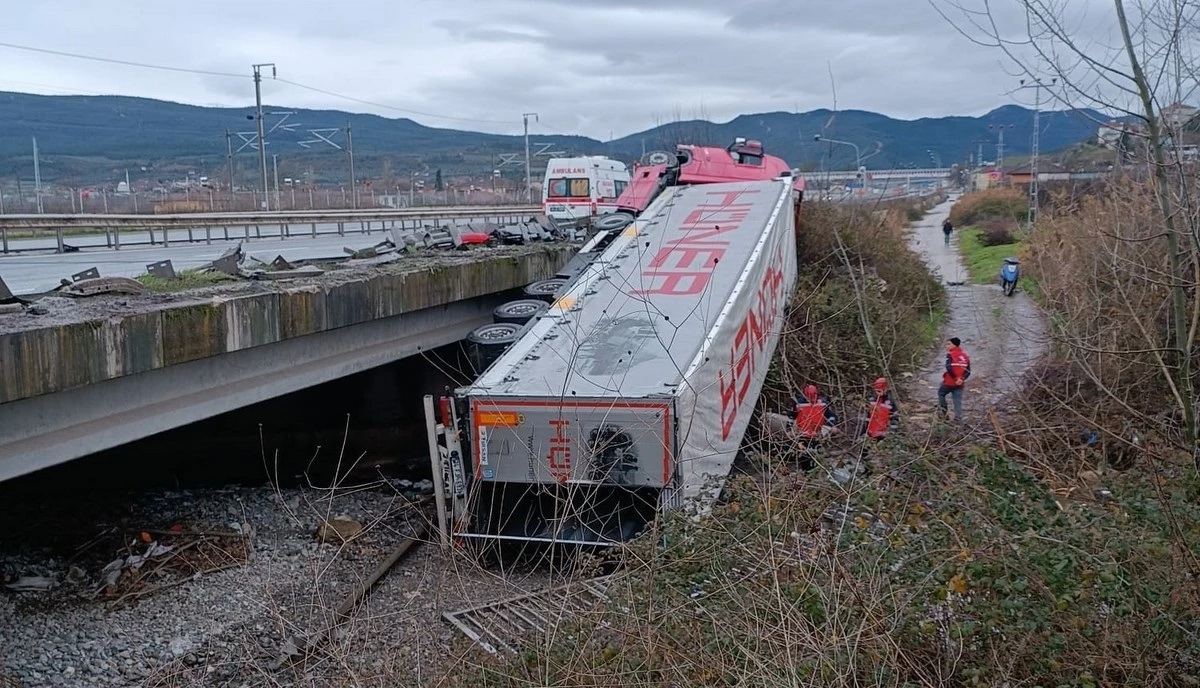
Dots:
pixel 617 66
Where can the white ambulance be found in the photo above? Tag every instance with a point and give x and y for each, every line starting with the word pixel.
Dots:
pixel 575 188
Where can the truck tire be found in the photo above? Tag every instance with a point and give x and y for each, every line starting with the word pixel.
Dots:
pixel 613 222
pixel 518 312
pixel 545 289
pixel 487 343
pixel 494 335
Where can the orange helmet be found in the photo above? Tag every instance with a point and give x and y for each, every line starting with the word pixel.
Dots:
pixel 811 393
pixel 880 384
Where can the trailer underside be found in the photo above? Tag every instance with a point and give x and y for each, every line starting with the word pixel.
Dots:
pixel 561 514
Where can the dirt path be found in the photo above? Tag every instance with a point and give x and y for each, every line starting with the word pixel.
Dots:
pixel 1004 336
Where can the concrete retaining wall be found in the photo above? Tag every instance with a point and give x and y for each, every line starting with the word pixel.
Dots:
pixel 61 357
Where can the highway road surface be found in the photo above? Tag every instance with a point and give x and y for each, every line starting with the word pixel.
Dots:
pixel 142 237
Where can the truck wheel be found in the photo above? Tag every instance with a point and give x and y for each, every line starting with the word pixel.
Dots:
pixel 518 312
pixel 612 222
pixel 545 289
pixel 494 335
pixel 489 342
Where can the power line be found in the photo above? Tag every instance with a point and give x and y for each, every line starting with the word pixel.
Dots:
pixel 391 107
pixel 122 62
pixel 186 70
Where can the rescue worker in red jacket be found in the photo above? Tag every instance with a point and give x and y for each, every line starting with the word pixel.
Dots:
pixel 958 369
pixel 814 416
pixel 884 414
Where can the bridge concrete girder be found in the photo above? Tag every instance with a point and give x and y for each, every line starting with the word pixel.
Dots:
pixel 47 430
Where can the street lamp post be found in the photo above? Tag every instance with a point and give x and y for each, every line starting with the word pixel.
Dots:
pixel 857 153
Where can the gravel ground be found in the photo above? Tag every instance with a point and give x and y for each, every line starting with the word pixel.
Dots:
pixel 233 628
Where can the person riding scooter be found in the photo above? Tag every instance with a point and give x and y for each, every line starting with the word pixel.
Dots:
pixel 1009 273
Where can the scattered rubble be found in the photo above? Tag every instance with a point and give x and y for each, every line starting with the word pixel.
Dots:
pixel 237 626
pixel 339 529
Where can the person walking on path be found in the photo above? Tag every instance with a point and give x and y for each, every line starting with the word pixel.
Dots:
pixel 947 228
pixel 958 369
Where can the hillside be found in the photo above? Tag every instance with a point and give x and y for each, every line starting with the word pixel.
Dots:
pixel 83 138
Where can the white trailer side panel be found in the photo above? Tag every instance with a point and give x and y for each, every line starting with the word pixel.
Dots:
pixel 722 384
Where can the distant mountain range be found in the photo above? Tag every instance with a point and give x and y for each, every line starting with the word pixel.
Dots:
pixel 85 139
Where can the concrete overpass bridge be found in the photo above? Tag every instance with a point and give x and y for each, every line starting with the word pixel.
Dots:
pixel 85 376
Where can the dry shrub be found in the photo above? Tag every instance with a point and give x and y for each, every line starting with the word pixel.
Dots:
pixel 1102 265
pixel 997 232
pixel 999 203
pixel 854 261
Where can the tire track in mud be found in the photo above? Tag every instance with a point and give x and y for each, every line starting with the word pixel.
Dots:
pixel 1004 336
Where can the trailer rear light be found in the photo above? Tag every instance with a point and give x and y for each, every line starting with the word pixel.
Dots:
pixel 444 404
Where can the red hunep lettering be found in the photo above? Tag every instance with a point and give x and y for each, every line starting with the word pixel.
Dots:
pixel 688 257
pixel 697 248
pixel 560 451
pixel 749 343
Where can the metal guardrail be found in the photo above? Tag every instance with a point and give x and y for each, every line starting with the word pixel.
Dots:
pixel 902 173
pixel 204 227
pixel 500 626
pixel 48 221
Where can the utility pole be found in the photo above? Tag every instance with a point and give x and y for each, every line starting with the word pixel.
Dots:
pixel 350 150
pixel 528 178
pixel 275 166
pixel 262 137
pixel 1037 85
pixel 229 162
pixel 37 177
pixel 1000 145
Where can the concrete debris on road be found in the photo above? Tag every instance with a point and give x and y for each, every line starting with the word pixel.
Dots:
pixel 102 285
pixel 39 270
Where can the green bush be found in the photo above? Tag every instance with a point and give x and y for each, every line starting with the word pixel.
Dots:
pixel 998 203
pixel 996 232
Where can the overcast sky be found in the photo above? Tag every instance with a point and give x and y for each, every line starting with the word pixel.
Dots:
pixel 594 68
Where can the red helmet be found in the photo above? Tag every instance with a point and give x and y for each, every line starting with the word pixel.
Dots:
pixel 880 384
pixel 811 393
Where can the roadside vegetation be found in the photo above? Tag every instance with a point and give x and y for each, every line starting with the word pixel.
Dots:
pixel 991 558
pixel 187 279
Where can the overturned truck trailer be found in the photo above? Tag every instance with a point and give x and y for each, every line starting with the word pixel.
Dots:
pixel 629 395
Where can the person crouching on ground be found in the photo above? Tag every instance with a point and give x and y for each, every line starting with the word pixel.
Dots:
pixel 884 412
pixel 954 379
pixel 815 418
